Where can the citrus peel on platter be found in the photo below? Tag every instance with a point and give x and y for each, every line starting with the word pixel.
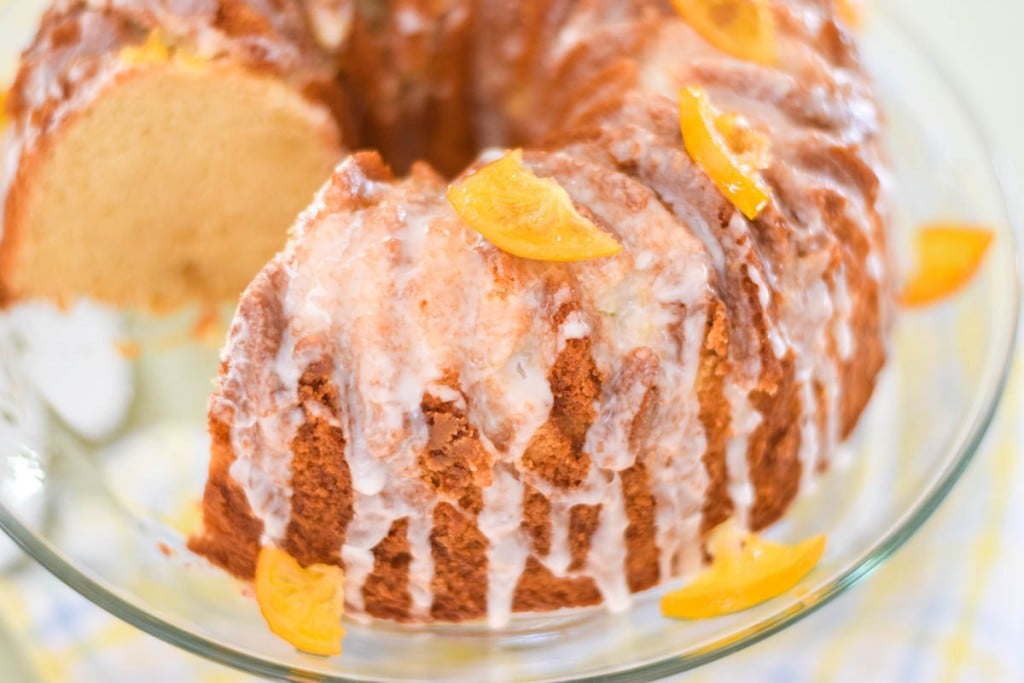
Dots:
pixel 302 605
pixel 745 570
pixel 4 120
pixel 948 255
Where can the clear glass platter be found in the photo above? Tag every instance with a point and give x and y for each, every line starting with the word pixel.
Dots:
pixel 103 449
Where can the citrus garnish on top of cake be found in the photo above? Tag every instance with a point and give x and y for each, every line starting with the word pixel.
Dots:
pixel 527 216
pixel 727 148
pixel 948 254
pixel 745 570
pixel 154 50
pixel 302 605
pixel 742 28
pixel 158 49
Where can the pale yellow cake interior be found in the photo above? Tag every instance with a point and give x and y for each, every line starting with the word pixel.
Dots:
pixel 178 184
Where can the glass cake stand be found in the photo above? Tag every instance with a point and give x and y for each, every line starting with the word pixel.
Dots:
pixel 103 454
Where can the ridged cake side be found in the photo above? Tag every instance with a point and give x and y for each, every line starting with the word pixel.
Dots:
pixel 470 434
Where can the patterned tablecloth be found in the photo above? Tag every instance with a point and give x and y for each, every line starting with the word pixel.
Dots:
pixel 948 607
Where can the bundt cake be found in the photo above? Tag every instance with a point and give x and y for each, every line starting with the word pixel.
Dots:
pixel 161 148
pixel 471 434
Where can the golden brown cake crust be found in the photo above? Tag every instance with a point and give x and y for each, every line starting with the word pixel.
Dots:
pixel 231 533
pixel 321 481
pixel 77 39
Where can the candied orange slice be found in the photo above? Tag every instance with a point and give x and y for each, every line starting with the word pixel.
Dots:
pixel 853 13
pixel 154 51
pixel 948 256
pixel 742 28
pixel 729 151
pixel 4 120
pixel 527 216
pixel 157 49
pixel 749 146
pixel 746 570
pixel 303 605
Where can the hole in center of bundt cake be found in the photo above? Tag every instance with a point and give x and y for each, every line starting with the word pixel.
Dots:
pixel 438 95
pixel 435 128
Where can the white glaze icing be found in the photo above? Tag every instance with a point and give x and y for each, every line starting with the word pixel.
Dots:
pixel 508 547
pixel 331 20
pixel 606 562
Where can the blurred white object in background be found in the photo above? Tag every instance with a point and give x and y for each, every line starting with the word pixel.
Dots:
pixel 71 371
pixel 74 364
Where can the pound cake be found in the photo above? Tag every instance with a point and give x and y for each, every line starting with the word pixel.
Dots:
pixel 471 434
pixel 160 148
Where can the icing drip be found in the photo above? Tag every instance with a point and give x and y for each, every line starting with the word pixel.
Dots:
pixel 841 332
pixel 500 522
pixel 776 337
pixel 368 527
pixel 608 440
pixel 421 569
pixel 605 561
pixel 679 479
pixel 745 420
pixel 559 557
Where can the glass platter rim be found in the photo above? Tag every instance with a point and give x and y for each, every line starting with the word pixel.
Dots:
pixel 965 444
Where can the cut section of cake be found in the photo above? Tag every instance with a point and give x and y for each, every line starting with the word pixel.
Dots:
pixel 160 150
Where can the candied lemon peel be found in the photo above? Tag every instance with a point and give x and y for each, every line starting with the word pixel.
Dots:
pixel 4 119
pixel 727 149
pixel 742 28
pixel 745 570
pixel 157 49
pixel 302 605
pixel 948 255
pixel 751 147
pixel 527 216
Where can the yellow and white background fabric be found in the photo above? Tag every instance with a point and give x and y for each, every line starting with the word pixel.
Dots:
pixel 949 606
